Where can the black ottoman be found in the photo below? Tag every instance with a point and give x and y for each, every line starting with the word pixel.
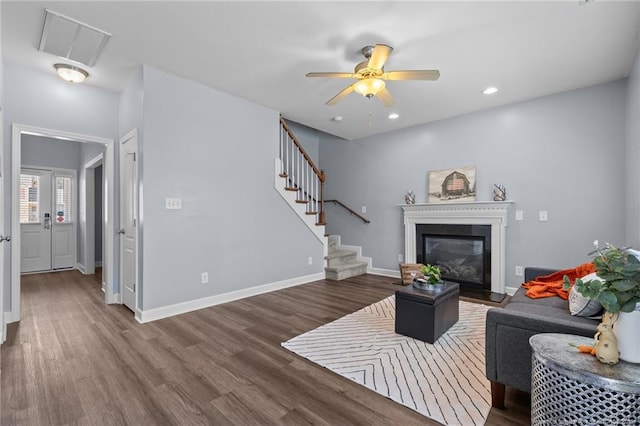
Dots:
pixel 426 314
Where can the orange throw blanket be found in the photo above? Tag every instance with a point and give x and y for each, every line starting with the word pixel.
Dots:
pixel 551 285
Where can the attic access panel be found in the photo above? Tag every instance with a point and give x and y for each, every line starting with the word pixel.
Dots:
pixel 71 39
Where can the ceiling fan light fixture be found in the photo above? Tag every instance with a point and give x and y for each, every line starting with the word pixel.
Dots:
pixel 369 86
pixel 71 73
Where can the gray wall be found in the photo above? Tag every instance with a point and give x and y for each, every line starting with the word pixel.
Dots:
pixel 632 156
pixel 43 100
pixel 49 152
pixel 216 152
pixel 562 153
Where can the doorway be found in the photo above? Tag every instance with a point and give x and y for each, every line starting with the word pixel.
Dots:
pixel 110 261
pixel 47 220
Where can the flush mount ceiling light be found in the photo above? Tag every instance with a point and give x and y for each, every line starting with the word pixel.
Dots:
pixel 490 90
pixel 71 73
pixel 393 116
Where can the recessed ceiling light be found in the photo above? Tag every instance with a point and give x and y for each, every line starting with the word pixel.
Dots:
pixel 393 116
pixel 337 118
pixel 71 73
pixel 490 90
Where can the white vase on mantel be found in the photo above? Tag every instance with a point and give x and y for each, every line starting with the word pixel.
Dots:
pixel 626 330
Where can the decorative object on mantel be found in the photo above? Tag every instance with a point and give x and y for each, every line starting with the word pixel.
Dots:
pixel 499 193
pixel 617 288
pixel 410 197
pixel 452 185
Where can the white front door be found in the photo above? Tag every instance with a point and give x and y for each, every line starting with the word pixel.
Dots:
pixel 128 219
pixel 47 225
pixel 35 220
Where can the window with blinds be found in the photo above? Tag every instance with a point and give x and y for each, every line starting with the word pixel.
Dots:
pixel 29 198
pixel 63 188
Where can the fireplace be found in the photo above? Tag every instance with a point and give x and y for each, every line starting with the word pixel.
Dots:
pixel 490 214
pixel 463 252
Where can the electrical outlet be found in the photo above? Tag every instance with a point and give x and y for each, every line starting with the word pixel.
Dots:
pixel 310 260
pixel 204 277
pixel 543 215
pixel 400 258
pixel 519 271
pixel 519 215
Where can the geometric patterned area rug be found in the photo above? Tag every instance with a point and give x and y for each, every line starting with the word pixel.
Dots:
pixel 444 381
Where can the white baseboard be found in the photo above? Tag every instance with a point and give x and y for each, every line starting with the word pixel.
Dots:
pixel 153 314
pixel 384 272
pixel 80 267
pixel 115 299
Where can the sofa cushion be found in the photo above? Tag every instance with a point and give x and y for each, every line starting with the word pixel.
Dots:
pixel 521 297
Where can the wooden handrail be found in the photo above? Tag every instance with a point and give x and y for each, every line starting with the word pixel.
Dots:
pixel 318 172
pixel 353 212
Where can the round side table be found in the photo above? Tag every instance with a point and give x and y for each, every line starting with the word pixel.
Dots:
pixel 571 388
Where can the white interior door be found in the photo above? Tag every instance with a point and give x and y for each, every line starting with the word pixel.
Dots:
pixel 35 220
pixel 128 219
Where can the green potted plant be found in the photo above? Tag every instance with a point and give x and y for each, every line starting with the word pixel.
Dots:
pixel 617 288
pixel 432 274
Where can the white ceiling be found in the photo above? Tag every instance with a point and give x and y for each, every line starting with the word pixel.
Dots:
pixel 262 50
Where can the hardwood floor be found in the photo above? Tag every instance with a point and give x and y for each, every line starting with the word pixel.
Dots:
pixel 74 360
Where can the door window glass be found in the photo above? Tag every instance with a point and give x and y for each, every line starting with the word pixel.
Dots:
pixel 29 198
pixel 63 193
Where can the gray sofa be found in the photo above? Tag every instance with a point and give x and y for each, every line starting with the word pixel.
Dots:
pixel 508 354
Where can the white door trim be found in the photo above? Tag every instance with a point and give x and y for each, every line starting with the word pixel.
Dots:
pixel 109 271
pixel 88 214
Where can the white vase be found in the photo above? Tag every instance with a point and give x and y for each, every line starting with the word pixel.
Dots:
pixel 626 331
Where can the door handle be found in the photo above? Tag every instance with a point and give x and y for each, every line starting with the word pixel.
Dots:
pixel 121 232
pixel 47 221
pixel 3 238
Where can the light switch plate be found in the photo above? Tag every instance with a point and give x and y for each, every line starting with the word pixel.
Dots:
pixel 173 203
pixel 543 215
pixel 519 215
pixel 519 271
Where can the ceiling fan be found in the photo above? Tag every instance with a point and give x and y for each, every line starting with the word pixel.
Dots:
pixel 371 75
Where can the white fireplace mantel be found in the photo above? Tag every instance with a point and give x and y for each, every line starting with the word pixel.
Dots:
pixel 494 213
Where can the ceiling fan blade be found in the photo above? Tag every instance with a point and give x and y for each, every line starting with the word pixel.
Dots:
pixel 386 98
pixel 379 56
pixel 339 96
pixel 331 74
pixel 412 75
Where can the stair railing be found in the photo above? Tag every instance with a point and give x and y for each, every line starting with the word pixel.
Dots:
pixel 353 212
pixel 301 174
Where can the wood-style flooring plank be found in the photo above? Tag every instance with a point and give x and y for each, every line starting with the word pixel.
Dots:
pixel 74 360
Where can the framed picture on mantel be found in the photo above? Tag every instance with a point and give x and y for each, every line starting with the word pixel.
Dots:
pixel 452 185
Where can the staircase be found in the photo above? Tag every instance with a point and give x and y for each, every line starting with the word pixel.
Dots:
pixel 301 184
pixel 344 261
